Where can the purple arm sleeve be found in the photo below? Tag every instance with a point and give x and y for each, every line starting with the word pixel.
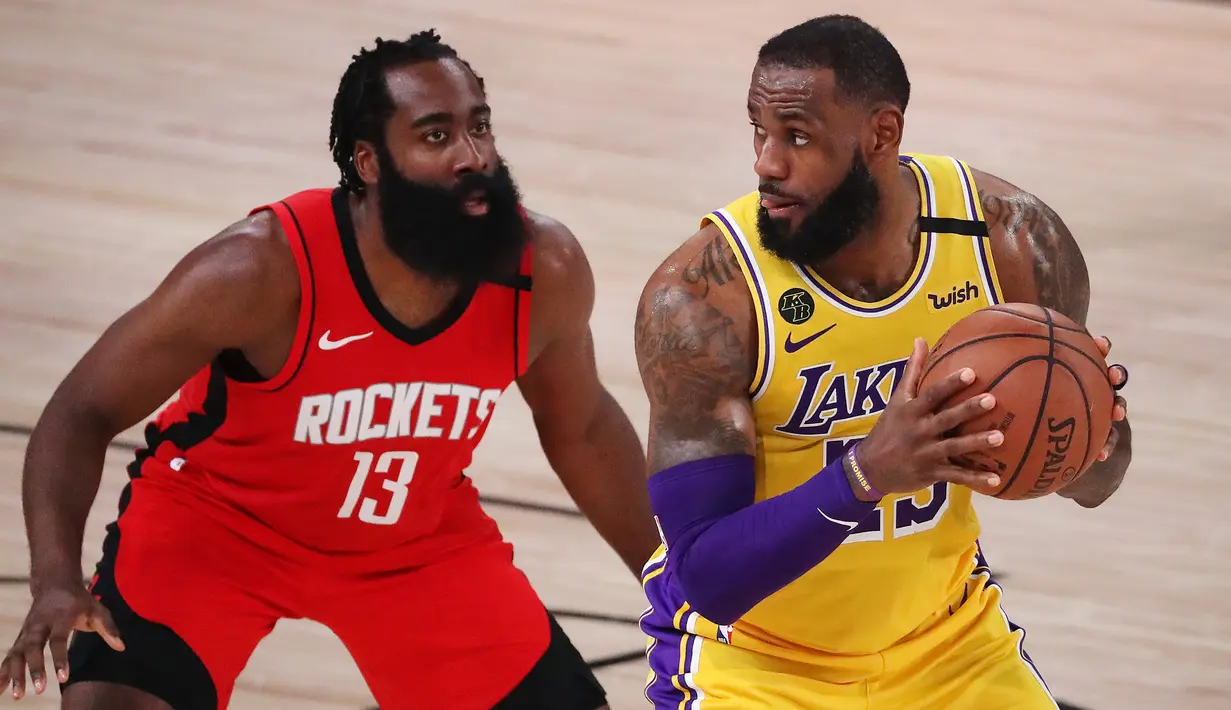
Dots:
pixel 712 526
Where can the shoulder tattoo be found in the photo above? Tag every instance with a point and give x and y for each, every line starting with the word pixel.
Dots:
pixel 1038 233
pixel 715 265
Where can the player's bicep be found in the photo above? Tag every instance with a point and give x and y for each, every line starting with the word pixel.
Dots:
pixel 696 367
pixel 216 298
pixel 562 388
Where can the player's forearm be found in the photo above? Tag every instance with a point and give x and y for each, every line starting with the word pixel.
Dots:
pixel 63 467
pixel 604 472
pixel 1104 477
pixel 713 528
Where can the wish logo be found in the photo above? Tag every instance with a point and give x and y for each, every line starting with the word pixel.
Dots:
pixel 958 294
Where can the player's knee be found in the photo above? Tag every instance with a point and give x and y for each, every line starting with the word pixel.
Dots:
pixel 99 695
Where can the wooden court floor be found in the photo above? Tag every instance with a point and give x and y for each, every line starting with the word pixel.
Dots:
pixel 130 130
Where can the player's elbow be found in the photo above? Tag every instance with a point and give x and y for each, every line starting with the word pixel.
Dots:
pixel 721 598
pixel 721 605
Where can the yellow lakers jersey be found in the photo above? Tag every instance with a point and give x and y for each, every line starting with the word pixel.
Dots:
pixel 826 365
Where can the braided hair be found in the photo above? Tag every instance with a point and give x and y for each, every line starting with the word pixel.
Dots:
pixel 363 105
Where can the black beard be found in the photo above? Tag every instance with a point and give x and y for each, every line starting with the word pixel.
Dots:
pixel 428 228
pixel 831 225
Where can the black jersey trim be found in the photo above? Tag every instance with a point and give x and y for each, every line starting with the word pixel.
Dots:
pixel 367 293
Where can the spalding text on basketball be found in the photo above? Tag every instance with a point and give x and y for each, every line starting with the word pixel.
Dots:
pixel 1059 440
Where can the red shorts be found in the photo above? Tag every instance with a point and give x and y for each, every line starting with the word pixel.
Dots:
pixel 193 595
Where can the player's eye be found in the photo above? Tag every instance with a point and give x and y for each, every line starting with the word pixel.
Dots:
pixel 757 129
pixel 483 127
pixel 799 139
pixel 436 136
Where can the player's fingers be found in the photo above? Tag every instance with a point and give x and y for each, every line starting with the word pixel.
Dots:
pixel 36 665
pixel 57 643
pixel 1110 447
pixel 982 481
pixel 1118 374
pixel 16 667
pixel 1120 411
pixel 913 371
pixel 100 622
pixel 936 395
pixel 1104 344
pixel 4 671
pixel 972 407
pixel 957 446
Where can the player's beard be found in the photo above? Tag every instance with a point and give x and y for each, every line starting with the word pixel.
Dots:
pixel 831 225
pixel 428 228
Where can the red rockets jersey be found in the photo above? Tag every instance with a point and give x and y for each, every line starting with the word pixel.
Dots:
pixel 360 441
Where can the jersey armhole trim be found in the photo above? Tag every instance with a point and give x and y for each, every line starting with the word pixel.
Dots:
pixel 307 302
pixel 766 342
pixel 983 242
pixel 521 313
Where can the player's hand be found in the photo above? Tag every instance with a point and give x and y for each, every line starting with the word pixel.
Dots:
pixel 1119 378
pixel 908 449
pixel 56 612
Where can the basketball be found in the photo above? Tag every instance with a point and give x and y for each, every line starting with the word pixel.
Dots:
pixel 1053 396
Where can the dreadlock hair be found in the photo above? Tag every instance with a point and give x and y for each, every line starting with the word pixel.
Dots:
pixel 363 105
pixel 865 64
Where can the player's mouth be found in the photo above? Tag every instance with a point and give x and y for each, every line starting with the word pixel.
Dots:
pixel 780 207
pixel 475 203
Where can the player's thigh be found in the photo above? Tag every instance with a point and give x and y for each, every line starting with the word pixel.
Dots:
pixel 685 668
pixel 190 600
pixel 975 660
pixel 464 633
pixel 97 695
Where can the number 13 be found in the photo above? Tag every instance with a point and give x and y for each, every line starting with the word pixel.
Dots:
pixel 407 460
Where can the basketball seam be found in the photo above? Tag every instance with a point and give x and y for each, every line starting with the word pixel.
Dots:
pixel 1051 360
pixel 998 380
pixel 998 336
pixel 1085 401
pixel 1008 311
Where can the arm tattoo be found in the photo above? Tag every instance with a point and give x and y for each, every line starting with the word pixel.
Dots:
pixel 716 263
pixel 1060 274
pixel 692 359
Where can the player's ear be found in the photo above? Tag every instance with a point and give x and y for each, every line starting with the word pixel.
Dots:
pixel 366 163
pixel 886 134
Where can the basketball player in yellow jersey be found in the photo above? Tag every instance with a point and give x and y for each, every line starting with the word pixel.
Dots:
pixel 819 549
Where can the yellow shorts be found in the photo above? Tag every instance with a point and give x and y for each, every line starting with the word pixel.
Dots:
pixel 972 659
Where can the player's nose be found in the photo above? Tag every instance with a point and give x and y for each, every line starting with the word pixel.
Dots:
pixel 771 164
pixel 469 158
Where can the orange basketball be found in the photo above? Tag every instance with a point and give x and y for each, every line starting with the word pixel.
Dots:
pixel 1054 398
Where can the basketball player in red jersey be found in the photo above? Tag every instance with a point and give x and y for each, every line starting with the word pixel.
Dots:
pixel 338 356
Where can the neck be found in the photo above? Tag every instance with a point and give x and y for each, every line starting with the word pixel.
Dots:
pixel 880 260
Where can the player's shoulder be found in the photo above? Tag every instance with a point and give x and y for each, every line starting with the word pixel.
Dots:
pixel 1030 243
pixel 563 281
pixel 254 248
pixel 249 261
pixel 558 255
pixel 696 270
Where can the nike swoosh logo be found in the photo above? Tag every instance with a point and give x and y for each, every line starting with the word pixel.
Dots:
pixel 794 346
pixel 326 344
pixel 845 523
